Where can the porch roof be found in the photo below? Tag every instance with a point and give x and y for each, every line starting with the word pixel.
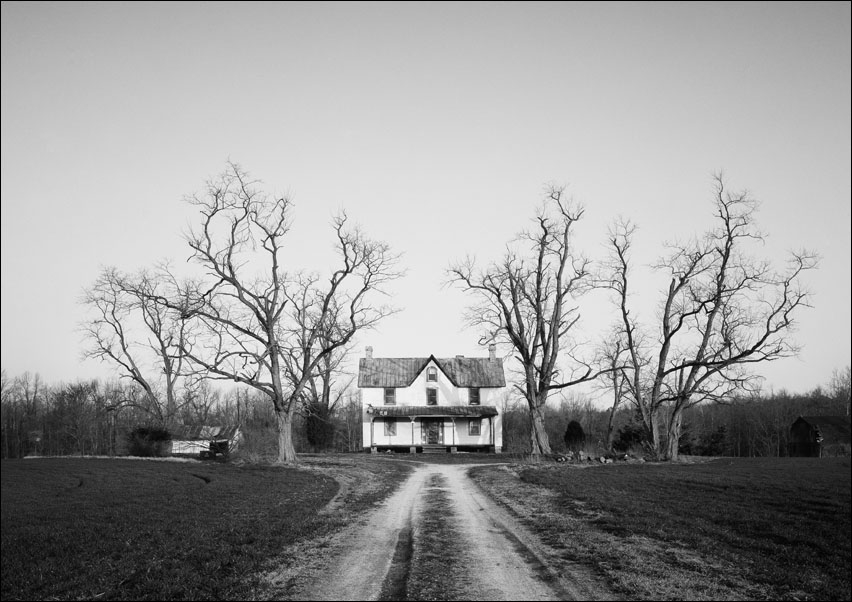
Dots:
pixel 433 411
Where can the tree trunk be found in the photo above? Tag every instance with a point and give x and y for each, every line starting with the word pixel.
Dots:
pixel 673 443
pixel 284 423
pixel 650 422
pixel 610 431
pixel 538 434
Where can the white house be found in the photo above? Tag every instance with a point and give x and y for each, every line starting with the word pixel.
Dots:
pixel 432 404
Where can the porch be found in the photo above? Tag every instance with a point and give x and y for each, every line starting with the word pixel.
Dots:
pixel 433 429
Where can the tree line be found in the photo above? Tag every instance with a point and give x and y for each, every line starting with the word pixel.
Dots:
pixel 94 418
pixel 748 426
pixel 246 313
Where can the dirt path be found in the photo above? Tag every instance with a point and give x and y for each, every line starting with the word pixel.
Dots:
pixel 440 538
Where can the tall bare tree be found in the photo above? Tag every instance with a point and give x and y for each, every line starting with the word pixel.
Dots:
pixel 612 354
pixel 628 335
pixel 258 324
pixel 527 301
pixel 722 311
pixel 141 337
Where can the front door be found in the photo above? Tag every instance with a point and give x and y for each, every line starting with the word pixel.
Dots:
pixel 433 432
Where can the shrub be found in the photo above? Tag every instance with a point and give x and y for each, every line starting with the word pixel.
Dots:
pixel 149 442
pixel 630 436
pixel 575 438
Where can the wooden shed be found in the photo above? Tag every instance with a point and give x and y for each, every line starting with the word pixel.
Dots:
pixel 820 436
pixel 205 441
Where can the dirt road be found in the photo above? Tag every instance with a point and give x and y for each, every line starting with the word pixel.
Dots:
pixel 438 538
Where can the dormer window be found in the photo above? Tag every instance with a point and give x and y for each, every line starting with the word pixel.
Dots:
pixel 474 396
pixel 431 397
pixel 432 374
pixel 390 396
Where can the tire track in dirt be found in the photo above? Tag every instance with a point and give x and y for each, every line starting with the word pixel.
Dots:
pixel 361 564
pixel 492 556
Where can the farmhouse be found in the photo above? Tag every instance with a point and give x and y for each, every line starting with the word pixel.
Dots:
pixel 431 404
pixel 203 440
pixel 820 436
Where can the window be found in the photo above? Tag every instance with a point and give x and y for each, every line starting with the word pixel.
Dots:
pixel 432 374
pixel 431 397
pixel 390 426
pixel 474 396
pixel 474 427
pixel 390 396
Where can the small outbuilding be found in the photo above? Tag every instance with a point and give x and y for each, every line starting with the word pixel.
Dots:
pixel 820 436
pixel 205 441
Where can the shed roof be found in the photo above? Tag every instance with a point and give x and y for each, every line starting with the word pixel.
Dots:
pixel 203 432
pixel 834 429
pixel 409 411
pixel 402 371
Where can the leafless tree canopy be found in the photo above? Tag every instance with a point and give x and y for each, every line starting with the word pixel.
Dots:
pixel 527 301
pixel 259 324
pixel 140 336
pixel 722 311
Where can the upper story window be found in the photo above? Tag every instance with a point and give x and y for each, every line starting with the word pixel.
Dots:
pixel 474 396
pixel 390 396
pixel 432 374
pixel 431 397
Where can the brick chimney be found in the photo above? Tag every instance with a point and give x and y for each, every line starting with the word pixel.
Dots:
pixel 368 353
pixel 492 351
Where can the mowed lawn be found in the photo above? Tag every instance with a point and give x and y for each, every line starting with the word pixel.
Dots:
pixel 152 530
pixel 762 528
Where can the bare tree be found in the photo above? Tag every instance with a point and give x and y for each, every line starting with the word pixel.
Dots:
pixel 841 385
pixel 138 335
pixel 256 323
pixel 526 301
pixel 612 353
pixel 629 337
pixel 199 400
pixel 23 398
pixel 324 393
pixel 723 310
pixel 351 414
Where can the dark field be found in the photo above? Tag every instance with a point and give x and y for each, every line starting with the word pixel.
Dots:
pixel 727 529
pixel 145 530
pixel 125 529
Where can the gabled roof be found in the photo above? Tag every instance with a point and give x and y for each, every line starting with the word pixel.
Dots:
pixel 402 371
pixel 834 429
pixel 402 411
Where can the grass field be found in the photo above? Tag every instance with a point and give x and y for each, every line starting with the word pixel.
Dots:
pixel 146 530
pixel 149 530
pixel 731 529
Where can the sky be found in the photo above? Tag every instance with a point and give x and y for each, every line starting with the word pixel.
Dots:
pixel 436 126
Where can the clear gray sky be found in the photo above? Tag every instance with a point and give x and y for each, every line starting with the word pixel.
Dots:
pixel 435 125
